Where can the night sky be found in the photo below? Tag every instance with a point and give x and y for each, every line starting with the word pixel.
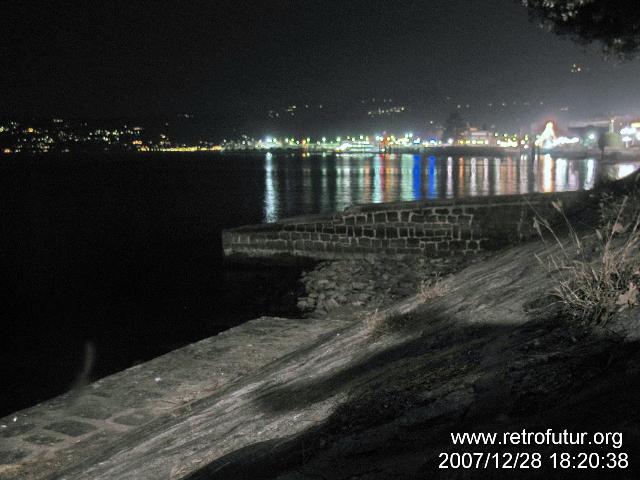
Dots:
pixel 238 59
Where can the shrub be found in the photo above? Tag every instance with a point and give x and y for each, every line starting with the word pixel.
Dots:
pixel 597 275
pixel 432 288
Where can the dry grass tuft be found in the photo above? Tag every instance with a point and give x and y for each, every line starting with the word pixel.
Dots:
pixel 432 288
pixel 375 321
pixel 597 276
pixel 380 325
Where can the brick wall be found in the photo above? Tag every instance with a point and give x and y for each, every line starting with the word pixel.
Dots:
pixel 428 228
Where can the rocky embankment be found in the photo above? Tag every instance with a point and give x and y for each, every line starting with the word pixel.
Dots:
pixel 373 283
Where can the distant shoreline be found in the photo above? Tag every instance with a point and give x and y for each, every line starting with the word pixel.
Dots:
pixel 611 156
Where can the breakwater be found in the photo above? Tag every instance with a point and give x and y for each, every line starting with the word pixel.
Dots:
pixel 435 229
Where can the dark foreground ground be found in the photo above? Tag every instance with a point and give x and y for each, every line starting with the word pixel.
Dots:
pixel 501 380
pixel 501 365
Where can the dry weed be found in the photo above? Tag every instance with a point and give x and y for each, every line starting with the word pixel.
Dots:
pixel 432 288
pixel 597 277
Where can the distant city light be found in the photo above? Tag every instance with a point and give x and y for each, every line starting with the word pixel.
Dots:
pixel 547 137
pixel 66 135
pixel 507 143
pixel 566 141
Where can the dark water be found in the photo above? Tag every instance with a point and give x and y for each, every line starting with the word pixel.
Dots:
pixel 123 253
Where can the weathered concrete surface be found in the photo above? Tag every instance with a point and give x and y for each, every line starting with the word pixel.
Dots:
pixel 328 398
pixel 488 357
pixel 42 441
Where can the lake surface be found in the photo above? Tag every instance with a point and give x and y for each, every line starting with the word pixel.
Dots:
pixel 109 260
pixel 325 184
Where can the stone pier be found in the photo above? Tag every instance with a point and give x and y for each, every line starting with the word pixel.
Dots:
pixel 440 228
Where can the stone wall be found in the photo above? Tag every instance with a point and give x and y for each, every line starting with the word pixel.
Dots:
pixel 427 228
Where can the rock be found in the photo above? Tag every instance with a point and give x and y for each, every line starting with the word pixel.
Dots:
pixel 331 304
pixel 626 325
pixel 381 280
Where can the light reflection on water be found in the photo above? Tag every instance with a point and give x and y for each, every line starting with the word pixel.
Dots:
pixel 325 184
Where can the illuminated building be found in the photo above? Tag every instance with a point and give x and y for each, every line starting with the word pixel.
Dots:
pixel 589 131
pixel 631 134
pixel 480 137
